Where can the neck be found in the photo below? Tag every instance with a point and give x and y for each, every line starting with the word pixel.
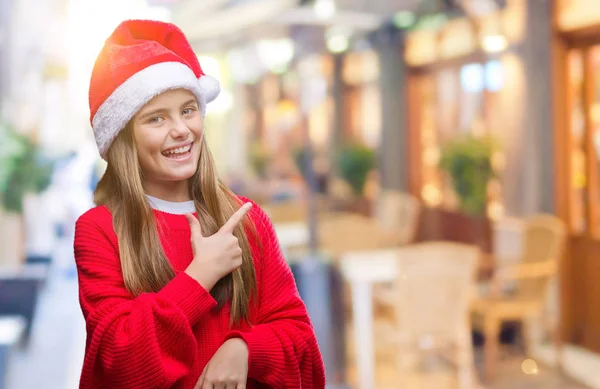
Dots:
pixel 176 191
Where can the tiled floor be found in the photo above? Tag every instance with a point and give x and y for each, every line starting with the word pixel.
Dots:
pixel 510 377
pixel 54 356
pixel 52 359
pixel 510 373
pixel 577 362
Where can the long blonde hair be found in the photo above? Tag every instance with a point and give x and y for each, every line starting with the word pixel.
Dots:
pixel 144 264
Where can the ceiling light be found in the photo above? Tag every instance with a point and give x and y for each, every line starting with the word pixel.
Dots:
pixel 337 38
pixel 494 43
pixel 276 54
pixel 338 44
pixel 325 9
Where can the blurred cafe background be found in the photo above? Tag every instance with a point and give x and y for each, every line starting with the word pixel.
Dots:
pixel 431 167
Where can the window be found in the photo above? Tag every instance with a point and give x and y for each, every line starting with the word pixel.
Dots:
pixel 452 102
pixel 584 140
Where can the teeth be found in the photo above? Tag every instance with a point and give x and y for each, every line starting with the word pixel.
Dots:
pixel 178 150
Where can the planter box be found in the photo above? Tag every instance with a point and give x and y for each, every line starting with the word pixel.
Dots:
pixel 441 224
pixel 362 206
pixel 12 240
pixel 19 293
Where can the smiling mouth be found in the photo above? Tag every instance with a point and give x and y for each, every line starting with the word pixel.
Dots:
pixel 179 152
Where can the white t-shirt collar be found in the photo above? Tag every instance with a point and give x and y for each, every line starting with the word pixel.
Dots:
pixel 175 208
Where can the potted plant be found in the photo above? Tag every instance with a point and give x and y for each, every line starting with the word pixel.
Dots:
pixel 259 159
pixel 467 162
pixel 355 162
pixel 299 155
pixel 24 170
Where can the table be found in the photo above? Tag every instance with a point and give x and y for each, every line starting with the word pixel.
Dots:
pixel 337 234
pixel 362 270
pixel 290 235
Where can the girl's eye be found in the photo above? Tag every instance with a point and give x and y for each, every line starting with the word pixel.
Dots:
pixel 156 120
pixel 188 111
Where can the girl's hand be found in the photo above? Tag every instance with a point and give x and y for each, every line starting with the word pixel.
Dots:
pixel 228 368
pixel 217 255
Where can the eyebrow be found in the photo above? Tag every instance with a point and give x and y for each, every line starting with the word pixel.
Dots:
pixel 151 113
pixel 190 101
pixel 162 110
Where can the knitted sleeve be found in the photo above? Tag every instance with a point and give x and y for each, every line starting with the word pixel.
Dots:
pixel 143 342
pixel 283 349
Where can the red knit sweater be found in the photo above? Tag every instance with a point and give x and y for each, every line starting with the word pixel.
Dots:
pixel 164 340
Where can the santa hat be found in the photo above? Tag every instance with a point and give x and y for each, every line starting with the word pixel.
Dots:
pixel 140 60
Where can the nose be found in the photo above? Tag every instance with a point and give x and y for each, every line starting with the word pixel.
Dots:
pixel 179 129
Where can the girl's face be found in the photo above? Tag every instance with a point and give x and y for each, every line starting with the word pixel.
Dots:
pixel 167 134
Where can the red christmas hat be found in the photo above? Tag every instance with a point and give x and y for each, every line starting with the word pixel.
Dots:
pixel 140 60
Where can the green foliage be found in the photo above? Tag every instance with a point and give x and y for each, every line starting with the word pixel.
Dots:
pixel 259 159
pixel 468 163
pixel 23 169
pixel 355 163
pixel 299 154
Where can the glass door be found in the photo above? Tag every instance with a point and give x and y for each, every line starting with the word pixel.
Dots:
pixel 451 102
pixel 577 142
pixel 584 140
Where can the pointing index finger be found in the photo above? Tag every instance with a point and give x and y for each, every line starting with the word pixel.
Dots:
pixel 236 218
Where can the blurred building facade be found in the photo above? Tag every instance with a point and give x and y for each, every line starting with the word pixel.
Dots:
pixel 577 150
pixel 405 84
pixel 5 14
pixel 400 78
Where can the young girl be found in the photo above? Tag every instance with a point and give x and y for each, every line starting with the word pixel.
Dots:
pixel 182 284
